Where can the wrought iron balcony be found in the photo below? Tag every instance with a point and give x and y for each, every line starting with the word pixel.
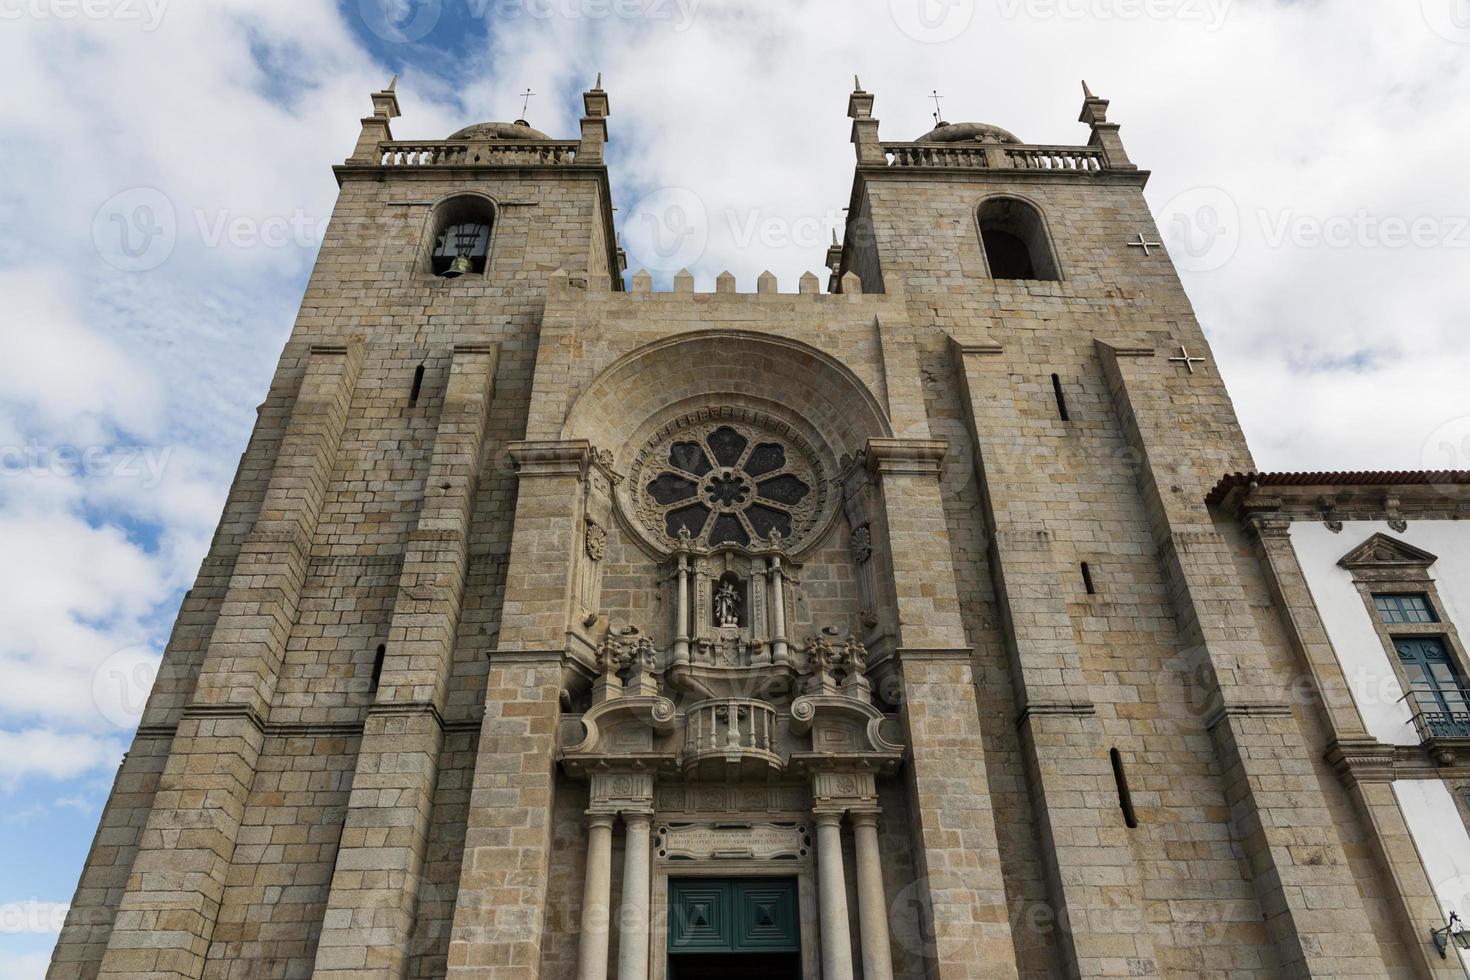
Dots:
pixel 1439 724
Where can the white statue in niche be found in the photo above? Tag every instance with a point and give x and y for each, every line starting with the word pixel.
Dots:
pixel 727 605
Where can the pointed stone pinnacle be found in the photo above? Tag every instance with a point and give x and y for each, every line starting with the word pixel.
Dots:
pixel 597 86
pixel 1087 91
pixel 857 86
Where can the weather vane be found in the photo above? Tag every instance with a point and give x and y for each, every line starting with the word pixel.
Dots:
pixel 526 101
pixel 935 96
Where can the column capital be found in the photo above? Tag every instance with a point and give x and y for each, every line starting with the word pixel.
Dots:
pixel 864 816
pixel 563 457
pixel 906 457
pixel 601 818
pixel 827 817
pixel 1267 525
pixel 635 818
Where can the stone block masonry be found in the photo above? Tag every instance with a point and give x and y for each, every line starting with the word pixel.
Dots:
pixel 451 676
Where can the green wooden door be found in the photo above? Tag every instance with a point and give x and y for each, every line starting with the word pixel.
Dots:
pixel 733 915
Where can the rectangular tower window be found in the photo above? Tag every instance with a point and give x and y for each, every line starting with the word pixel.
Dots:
pixel 418 385
pixel 1125 797
pixel 1087 579
pixel 1056 387
pixel 377 669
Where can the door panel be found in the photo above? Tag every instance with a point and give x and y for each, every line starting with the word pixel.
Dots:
pixel 733 915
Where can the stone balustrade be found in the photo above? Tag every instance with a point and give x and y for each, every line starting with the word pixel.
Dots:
pixel 1078 158
pixel 737 734
pixel 961 156
pixel 995 156
pixel 483 153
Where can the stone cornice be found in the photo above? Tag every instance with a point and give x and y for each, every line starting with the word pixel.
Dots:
pixel 1247 709
pixel 1054 709
pixel 311 729
pixel 1138 178
pixel 933 655
pixel 1367 760
pixel 1126 348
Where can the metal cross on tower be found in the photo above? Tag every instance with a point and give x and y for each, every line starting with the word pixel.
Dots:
pixel 1185 359
pixel 1145 244
pixel 526 101
pixel 934 94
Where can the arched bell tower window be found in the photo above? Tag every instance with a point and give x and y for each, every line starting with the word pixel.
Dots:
pixel 461 242
pixel 1015 241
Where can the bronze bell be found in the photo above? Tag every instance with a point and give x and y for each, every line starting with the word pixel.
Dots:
pixel 458 267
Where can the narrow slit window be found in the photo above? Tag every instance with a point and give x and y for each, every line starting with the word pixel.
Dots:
pixel 377 669
pixel 1087 579
pixel 1056 387
pixel 1125 798
pixel 418 385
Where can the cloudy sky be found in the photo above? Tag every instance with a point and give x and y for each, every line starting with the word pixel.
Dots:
pixel 167 166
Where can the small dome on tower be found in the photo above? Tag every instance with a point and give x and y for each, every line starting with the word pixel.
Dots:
pixel 967 132
pixel 518 130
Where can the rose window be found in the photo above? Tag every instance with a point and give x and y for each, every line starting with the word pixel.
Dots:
pixel 727 484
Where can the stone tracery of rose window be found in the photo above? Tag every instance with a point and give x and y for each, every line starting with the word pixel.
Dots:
pixel 727 483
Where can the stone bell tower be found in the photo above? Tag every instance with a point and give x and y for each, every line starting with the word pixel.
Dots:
pixel 559 630
pixel 1085 423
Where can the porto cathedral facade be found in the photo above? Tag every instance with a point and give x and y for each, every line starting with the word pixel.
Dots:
pixel 934 625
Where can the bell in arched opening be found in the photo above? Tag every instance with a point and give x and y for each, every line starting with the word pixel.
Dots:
pixel 461 249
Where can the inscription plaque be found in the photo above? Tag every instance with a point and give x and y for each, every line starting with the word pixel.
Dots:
pixel 765 841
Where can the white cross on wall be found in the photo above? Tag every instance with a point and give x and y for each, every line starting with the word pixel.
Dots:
pixel 1145 244
pixel 1185 359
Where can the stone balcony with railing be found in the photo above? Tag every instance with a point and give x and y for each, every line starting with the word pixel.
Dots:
pixel 731 739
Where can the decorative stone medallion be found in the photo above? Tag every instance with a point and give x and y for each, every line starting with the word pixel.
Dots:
pixel 596 541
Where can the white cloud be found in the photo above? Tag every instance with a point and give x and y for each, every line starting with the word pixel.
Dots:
pixel 56 368
pixel 37 752
pixel 24 966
